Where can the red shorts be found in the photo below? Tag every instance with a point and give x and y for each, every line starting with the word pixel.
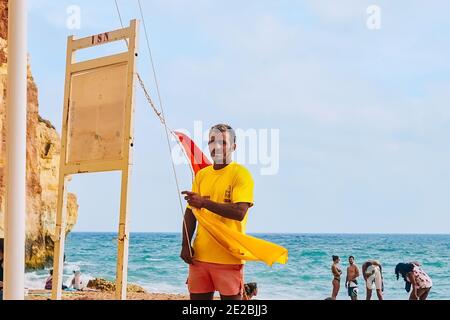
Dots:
pixel 206 277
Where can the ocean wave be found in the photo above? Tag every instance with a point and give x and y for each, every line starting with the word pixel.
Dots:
pixel 154 259
pixel 36 279
pixel 311 253
pixel 77 264
pixel 34 282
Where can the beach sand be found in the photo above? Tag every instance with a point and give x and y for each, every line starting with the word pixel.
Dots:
pixel 102 295
pixel 101 289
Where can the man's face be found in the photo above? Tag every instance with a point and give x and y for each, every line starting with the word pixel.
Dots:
pixel 351 260
pixel 221 147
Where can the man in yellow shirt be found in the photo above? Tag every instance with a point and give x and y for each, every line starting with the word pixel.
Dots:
pixel 223 192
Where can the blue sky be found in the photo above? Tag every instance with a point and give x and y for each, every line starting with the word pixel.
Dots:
pixel 363 114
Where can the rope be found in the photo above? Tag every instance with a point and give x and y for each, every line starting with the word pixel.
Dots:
pixel 167 130
pixel 141 82
pixel 150 101
pixel 118 12
pixel 161 118
pixel 159 114
pixel 120 19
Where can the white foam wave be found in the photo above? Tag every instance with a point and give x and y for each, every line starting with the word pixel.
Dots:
pixel 36 279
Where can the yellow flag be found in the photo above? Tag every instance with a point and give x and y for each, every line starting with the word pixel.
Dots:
pixel 240 245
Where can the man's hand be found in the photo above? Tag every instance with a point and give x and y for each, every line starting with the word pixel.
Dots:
pixel 194 199
pixel 186 254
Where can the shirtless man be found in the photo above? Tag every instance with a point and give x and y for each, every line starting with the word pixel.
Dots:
pixel 351 282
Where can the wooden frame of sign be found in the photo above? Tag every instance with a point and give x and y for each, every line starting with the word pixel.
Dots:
pixel 91 88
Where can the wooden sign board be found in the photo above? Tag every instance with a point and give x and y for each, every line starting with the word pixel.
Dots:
pixel 97 133
pixel 97 115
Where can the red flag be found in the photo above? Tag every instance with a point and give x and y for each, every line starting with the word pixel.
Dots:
pixel 195 155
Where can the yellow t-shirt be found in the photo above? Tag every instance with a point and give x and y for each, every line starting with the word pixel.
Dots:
pixel 231 184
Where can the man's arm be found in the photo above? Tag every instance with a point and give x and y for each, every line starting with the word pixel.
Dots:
pixel 357 273
pixel 364 268
pixel 189 225
pixel 234 211
pixel 346 278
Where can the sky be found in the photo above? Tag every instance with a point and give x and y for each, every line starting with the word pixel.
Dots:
pixel 355 103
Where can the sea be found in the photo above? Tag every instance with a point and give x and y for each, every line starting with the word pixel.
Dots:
pixel 154 263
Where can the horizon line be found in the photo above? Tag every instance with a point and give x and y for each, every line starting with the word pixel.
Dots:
pixel 284 233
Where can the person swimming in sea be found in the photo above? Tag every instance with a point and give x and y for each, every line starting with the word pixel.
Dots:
pixel 337 272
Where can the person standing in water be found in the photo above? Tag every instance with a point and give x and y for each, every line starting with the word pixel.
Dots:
pixel 373 275
pixel 414 276
pixel 351 281
pixel 337 272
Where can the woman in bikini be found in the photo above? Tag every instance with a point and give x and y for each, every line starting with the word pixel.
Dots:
pixel 336 271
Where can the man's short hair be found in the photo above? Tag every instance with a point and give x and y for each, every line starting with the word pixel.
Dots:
pixel 225 128
pixel 352 257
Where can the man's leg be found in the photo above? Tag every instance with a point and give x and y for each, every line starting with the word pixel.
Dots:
pixel 379 285
pixel 380 294
pixel 202 296
pixel 353 293
pixel 229 281
pixel 199 282
pixel 368 294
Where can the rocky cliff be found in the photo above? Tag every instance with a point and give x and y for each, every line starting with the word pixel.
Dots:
pixel 43 152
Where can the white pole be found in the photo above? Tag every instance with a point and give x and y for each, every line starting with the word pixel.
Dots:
pixel 16 123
